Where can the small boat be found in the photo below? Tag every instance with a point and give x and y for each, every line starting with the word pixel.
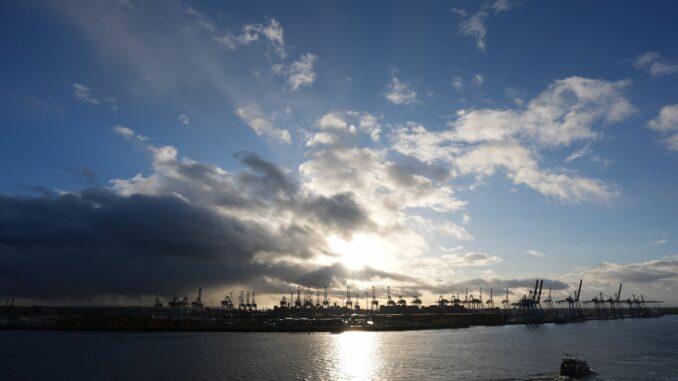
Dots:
pixel 572 367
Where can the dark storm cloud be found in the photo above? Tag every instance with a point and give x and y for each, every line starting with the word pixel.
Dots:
pixel 121 242
pixel 98 242
pixel 264 176
pixel 339 211
pixel 338 275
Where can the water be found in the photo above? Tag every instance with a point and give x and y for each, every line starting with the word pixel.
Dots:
pixel 630 349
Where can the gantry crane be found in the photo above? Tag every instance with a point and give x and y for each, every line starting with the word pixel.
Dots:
pixel 349 303
pixel 375 302
pixel 389 301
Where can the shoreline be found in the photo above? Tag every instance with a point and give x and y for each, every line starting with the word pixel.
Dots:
pixel 117 319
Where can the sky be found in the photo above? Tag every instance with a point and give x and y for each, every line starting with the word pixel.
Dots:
pixel 147 146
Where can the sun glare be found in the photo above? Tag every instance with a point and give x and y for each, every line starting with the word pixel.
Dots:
pixel 360 251
pixel 356 354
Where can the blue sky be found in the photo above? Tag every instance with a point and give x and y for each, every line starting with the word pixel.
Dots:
pixel 428 146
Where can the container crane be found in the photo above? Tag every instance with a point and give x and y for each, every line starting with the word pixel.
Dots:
pixel 401 301
pixel 197 303
pixel 506 302
pixel 326 302
pixel 389 301
pixel 349 303
pixel 375 302
pixel 297 302
pixel 490 302
pixel 157 303
pixel 416 302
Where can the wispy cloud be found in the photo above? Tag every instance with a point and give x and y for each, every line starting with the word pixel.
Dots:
pixel 534 253
pixel 667 124
pixel 299 73
pixel 184 119
pixel 655 64
pixel 658 242
pixel 584 151
pixel 261 123
pixel 400 93
pixel 82 93
pixel 251 33
pixel 128 133
pixel 457 83
pixel 473 24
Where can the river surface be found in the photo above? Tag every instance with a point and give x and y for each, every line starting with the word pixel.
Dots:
pixel 629 349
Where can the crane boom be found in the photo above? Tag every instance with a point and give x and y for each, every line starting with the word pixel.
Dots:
pixel 534 294
pixel 579 291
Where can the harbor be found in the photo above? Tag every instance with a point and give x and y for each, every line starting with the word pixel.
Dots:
pixel 311 312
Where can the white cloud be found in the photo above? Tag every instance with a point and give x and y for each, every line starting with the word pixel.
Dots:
pixel 456 257
pixel 672 142
pixel 123 131
pixel 369 123
pixel 655 64
pixel 352 122
pixel 534 253
pixel 202 21
pixel 667 123
pixel 82 92
pixel 658 242
pixel 261 123
pixel 473 24
pixel 584 151
pixel 299 73
pixel 128 133
pixel 474 27
pixel 457 83
pixel 321 138
pixel 274 33
pixel 501 6
pixel 480 142
pixel 164 154
pixel 333 121
pixel 250 33
pixel 565 112
pixel 413 139
pixel 400 93
pixel 478 80
pixel 523 169
pixel 442 229
pixel 184 119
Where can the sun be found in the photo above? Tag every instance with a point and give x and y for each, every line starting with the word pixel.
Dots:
pixel 360 251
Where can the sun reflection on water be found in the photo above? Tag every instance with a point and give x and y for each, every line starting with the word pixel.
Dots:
pixel 356 354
